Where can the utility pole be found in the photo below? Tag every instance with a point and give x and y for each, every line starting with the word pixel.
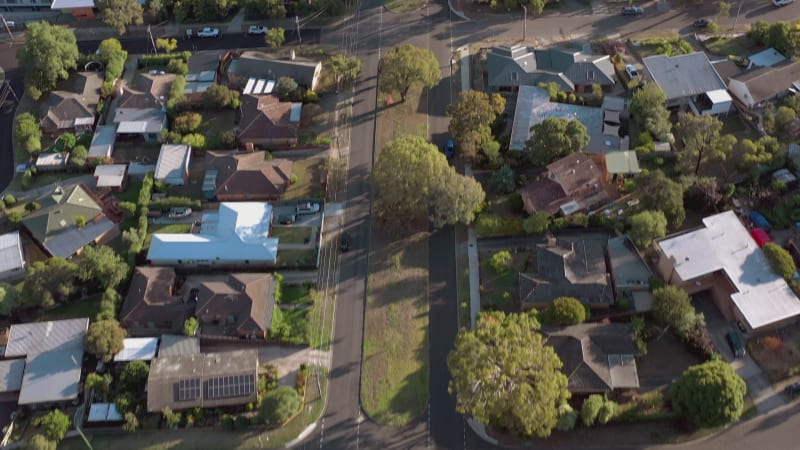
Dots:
pixel 737 16
pixel 524 22
pixel 299 39
pixel 152 41
pixel 8 29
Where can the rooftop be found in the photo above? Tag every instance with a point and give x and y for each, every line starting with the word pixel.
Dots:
pixel 244 174
pixel 11 371
pixel 11 257
pixel 137 349
pixel 265 116
pixel 766 58
pixel 624 162
pixel 177 345
pixel 246 300
pixel 684 75
pixel 105 136
pixel 764 83
pixel 110 175
pixel 173 161
pixel 152 297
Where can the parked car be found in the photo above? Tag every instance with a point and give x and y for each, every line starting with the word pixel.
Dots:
pixel 307 208
pixel 450 149
pixel 156 72
pixel 286 219
pixel 632 11
pixel 180 212
pixel 257 29
pixel 208 32
pixel 782 2
pixel 702 23
pixel 736 344
pixel 344 243
pixel 793 389
pixel 631 71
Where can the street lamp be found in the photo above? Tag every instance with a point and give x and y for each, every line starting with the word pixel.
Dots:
pixel 524 22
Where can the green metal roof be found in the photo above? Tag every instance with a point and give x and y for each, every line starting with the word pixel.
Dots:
pixel 58 211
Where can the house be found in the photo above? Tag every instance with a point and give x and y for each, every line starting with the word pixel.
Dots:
pixel 11 372
pixel 53 353
pixel 597 357
pixel 765 58
pixel 74 110
pixel 534 105
pixel 508 68
pixel 176 345
pixel 630 274
pixel 622 164
pixel 726 69
pixel 254 64
pixel 568 267
pixel 571 184
pixel 173 164
pixel 51 161
pixel 79 9
pixel 137 349
pixel 245 176
pixel 54 228
pixel 154 304
pixel 237 235
pixel 754 88
pixel 12 257
pixel 203 380
pixel 266 121
pixel 141 111
pixel 722 258
pixel 112 176
pixel 690 82
pixel 102 146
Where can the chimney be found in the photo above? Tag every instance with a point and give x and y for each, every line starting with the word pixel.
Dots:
pixel 292 55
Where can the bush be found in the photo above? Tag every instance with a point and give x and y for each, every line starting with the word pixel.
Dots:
pixel 494 225
pixel 196 140
pixel 220 97
pixel 566 418
pixel 597 220
pixel 285 88
pixel 500 262
pixel 279 405
pixel 67 141
pixel 228 140
pixel 502 180
pixel 565 311
pixel 163 59
pixel 311 97
pixel 559 223
pixel 607 412
pixel 171 419
pixel 515 203
pixel 128 208
pixel 591 409
pixel 177 66
pixel 166 203
pixel 580 220
pixel 187 122
pixel 710 394
pixel 10 200
pixel 780 260
pixel 55 424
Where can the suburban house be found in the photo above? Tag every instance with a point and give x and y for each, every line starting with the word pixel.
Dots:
pixel 173 164
pixel 765 58
pixel 621 164
pixel 722 257
pixel 508 68
pixel 690 82
pixel 137 349
pixel 534 105
pixel 12 257
pixel 141 112
pixel 571 184
pixel 204 380
pixel 102 146
pixel 54 226
pixel 245 177
pixel 79 9
pixel 630 274
pixel 754 88
pixel 597 357
pixel 177 345
pixel 112 176
pixel 253 64
pixel 74 110
pixel 53 354
pixel 154 304
pixel 266 121
pixel 572 266
pixel 237 235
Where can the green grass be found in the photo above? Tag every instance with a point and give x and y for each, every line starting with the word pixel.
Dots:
pixel 488 224
pixel 321 319
pixel 214 124
pixel 404 6
pixel 737 46
pixel 165 228
pixel 131 193
pixel 499 291
pixel 290 326
pixel 309 174
pixel 292 235
pixel 87 307
pixel 297 257
pixel 296 295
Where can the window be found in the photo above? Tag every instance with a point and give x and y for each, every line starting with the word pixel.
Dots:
pixel 590 75
pixel 514 76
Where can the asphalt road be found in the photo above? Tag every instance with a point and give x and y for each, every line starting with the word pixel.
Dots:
pixel 15 76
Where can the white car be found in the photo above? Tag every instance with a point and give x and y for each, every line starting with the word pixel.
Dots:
pixel 257 29
pixel 632 72
pixel 208 32
pixel 782 2
pixel 307 208
pixel 178 213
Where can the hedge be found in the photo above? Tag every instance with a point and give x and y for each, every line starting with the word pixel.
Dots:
pixel 494 225
pixel 173 202
pixel 164 59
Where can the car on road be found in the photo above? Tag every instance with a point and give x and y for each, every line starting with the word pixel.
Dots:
pixel 736 344
pixel 702 23
pixel 793 389
pixel 631 71
pixel 344 243
pixel 180 212
pixel 632 11
pixel 782 2
pixel 208 32
pixel 257 29
pixel 450 149
pixel 307 208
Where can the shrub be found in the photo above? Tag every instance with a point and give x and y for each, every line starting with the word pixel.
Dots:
pixel 580 220
pixel 10 200
pixel 128 208
pixel 228 422
pixel 67 141
pixel 279 405
pixel 565 311
pixel 607 412
pixel 228 140
pixel 515 203
pixel 173 202
pixel 591 409
pixel 285 88
pixel 502 180
pixel 55 424
pixel 196 140
pixel 311 97
pixel 190 327
pixel 177 66
pixel 32 206
pixel 559 223
pixel 566 418
pixel 597 220
pixel 780 260
pixel 500 262
pixel 219 97
pixel 710 394
pixel 187 122
pixel 494 225
pixel 163 59
pixel 171 419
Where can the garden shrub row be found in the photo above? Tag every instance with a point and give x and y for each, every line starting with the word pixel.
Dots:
pixel 163 59
pixel 173 202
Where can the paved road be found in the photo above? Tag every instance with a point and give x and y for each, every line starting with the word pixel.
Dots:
pixel 14 74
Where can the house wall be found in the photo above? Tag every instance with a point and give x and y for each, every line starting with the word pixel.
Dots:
pixel 741 93
pixel 13 275
pixel 246 197
pixel 81 13
pixel 200 263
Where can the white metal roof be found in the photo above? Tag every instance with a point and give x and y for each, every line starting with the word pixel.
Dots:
pixel 52 159
pixel 719 96
pixel 103 141
pixel 70 4
pixel 11 252
pixel 110 175
pixel 173 161
pixel 133 349
pixel 725 244
pixel 104 412
pixel 37 337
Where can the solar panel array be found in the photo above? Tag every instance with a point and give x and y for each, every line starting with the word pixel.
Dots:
pixel 188 390
pixel 230 386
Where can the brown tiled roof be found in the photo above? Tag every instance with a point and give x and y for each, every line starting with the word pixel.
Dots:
pixel 576 177
pixel 241 303
pixel 575 172
pixel 542 195
pixel 66 106
pixel 157 85
pixel 152 298
pixel 249 173
pixel 266 117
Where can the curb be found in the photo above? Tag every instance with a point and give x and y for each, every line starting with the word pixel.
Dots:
pixel 303 434
pixel 457 12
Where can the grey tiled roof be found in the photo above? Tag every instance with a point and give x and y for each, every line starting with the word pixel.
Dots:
pixel 684 75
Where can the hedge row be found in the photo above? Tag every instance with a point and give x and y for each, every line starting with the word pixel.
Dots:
pixel 164 59
pixel 173 202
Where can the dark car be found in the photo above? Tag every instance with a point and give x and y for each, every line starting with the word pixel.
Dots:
pixel 450 149
pixel 793 389
pixel 287 219
pixel 702 23
pixel 344 243
pixel 736 344
pixel 632 11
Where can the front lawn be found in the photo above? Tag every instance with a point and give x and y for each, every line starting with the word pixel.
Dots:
pixel 499 291
pixel 778 357
pixel 736 46
pixel 292 235
pixel 85 307
pixel 290 326
pixel 310 174
pixel 165 228
pixel 295 257
pixel 296 294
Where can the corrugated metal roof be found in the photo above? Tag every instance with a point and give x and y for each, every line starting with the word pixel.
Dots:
pixel 174 345
pixel 32 338
pixel 11 374
pixel 137 349
pixel 103 141
pixel 11 252
pixel 173 162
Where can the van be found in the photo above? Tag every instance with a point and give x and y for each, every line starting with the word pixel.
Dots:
pixel 736 344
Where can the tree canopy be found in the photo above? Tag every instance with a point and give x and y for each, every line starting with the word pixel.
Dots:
pixel 471 119
pixel 673 307
pixel 9 299
pixel 275 37
pixel 701 141
pixel 413 179
pixel 780 260
pixel 49 53
pixel 48 281
pixel 135 374
pixel 709 394
pixel 503 374
pixel 646 226
pixel 565 311
pixel 279 405
pixel 659 193
pixel 760 155
pixel 40 442
pixel 649 110
pixel 99 383
pixel 104 339
pixel 554 138
pixel 345 69
pixel 118 14
pixel 103 265
pixel 405 66
pixel 28 133
pixel 55 425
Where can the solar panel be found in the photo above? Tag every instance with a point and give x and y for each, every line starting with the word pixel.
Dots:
pixel 187 390
pixel 230 386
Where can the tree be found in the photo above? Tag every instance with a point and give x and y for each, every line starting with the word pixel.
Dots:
pixel 285 87
pixel 55 425
pixel 345 69
pixel 565 311
pixel 187 122
pixel 9 299
pixel 67 141
pixel 591 408
pixel 40 442
pixel 118 14
pixel 646 226
pixel 709 394
pixel 219 97
pixel 659 193
pixel 131 421
pixel 555 138
pixel 607 412
pixel 48 281
pixel 128 208
pixel 104 339
pixel 190 327
pixel 406 66
pixel 649 110
pixel 49 53
pixel 80 221
pixel 171 419
pixel 27 132
pixel 500 262
pixel 169 45
pixel 78 156
pixel 196 140
pixel 502 180
pixel 701 141
pixel 504 374
pixel 724 9
pixel 537 223
pixel 135 374
pixel 279 405
pixel 536 6
pixel 99 383
pixel 275 37
pixel 566 418
pixel 108 304
pixel 412 179
pixel 780 260
pixel 177 66
pixel 265 9
pixel 673 308
pixel 471 119
pixel 103 265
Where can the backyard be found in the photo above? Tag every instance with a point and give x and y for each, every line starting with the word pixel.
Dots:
pixel 499 291
pixel 777 355
pixel 309 173
pixel 214 124
pixel 732 46
pixel 85 307
pixel 292 235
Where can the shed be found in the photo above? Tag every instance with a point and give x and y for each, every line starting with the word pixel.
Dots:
pixel 52 161
pixel 104 412
pixel 102 145
pixel 137 349
pixel 111 175
pixel 760 236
